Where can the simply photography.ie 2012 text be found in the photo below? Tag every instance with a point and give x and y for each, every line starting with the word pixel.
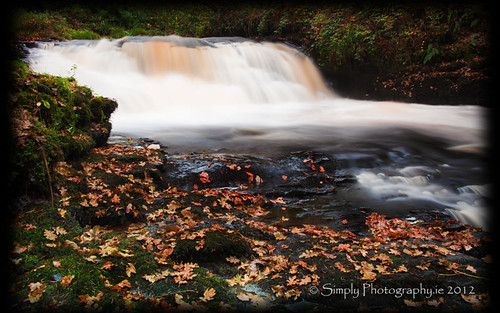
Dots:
pixel 369 289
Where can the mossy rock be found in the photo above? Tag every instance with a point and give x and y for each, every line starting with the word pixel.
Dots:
pixel 217 246
pixel 53 119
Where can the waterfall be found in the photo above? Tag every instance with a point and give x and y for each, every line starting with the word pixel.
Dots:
pixel 246 96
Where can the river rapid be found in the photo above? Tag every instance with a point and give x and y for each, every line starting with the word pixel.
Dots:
pixel 238 97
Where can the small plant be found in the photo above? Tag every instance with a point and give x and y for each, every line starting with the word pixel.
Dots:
pixel 72 70
pixel 430 52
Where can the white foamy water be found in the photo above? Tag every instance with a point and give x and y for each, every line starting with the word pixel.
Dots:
pixel 227 93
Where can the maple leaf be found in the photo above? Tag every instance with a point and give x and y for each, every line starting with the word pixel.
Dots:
pixel 91 301
pixel 424 266
pixel 278 290
pixel 208 295
pixel 292 281
pixel 62 212
pixel 60 230
pixel 66 280
pixel 341 267
pixel 308 254
pixel 204 178
pixel 123 284
pixel 292 293
pixel 278 200
pixel 130 269
pixel 50 235
pixel 250 177
pixel 366 269
pixel 279 235
pixel 233 260
pixel 115 199
pixel 108 265
pixel 36 291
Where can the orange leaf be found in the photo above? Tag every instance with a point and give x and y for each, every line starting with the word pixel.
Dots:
pixel 250 177
pixel 208 295
pixel 204 177
pixel 115 199
pixel 66 280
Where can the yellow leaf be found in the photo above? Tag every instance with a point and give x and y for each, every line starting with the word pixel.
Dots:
pixel 279 236
pixel 50 235
pixel 130 269
pixel 208 295
pixel 60 230
pixel 36 292
pixel 293 293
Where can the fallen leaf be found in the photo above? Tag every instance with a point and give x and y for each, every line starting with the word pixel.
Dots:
pixel 341 267
pixel 130 269
pixel 208 295
pixel 279 235
pixel 66 280
pixel 49 234
pixel 233 260
pixel 250 177
pixel 36 292
pixel 60 230
pixel 478 301
pixel 108 265
pixel 258 180
pixel 412 304
pixel 243 297
pixel 471 268
pixel 204 178
pixel 115 199
pixel 123 284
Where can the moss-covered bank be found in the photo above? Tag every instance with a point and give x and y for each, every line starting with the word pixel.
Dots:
pixel 425 52
pixel 53 119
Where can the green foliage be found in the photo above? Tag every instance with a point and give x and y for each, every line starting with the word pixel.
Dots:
pixel 338 36
pixel 429 53
pixel 53 119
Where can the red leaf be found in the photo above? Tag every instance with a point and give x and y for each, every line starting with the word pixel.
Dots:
pixel 204 177
pixel 250 177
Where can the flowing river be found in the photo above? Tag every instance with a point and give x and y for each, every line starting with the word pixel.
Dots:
pixel 240 97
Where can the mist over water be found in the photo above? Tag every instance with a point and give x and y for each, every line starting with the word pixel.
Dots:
pixel 234 95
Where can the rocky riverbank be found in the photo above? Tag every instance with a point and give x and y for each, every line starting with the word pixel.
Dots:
pixel 133 228
pixel 121 225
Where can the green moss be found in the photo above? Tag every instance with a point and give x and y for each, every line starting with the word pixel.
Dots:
pixel 217 246
pixel 54 119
